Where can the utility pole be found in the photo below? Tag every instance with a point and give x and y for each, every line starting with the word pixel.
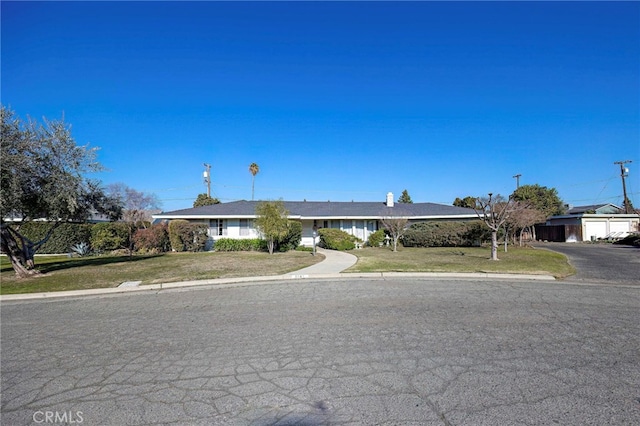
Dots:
pixel 623 174
pixel 517 180
pixel 207 178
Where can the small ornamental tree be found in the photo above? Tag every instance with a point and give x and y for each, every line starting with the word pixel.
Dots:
pixel 523 218
pixel 272 222
pixel 395 227
pixel 494 212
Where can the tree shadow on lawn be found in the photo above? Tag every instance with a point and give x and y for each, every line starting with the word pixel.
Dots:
pixel 93 261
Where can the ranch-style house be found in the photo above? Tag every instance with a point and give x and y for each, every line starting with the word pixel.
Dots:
pixel 235 219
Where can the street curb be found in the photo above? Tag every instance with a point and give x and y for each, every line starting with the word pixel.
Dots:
pixel 244 281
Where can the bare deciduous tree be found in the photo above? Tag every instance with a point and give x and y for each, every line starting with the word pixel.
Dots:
pixel 523 217
pixel 494 212
pixel 395 226
pixel 137 206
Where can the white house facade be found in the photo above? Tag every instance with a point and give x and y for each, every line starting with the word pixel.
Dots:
pixel 361 219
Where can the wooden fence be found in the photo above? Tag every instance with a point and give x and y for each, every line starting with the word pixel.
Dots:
pixel 558 233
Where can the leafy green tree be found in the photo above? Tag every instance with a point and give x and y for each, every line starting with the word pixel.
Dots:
pixel 272 222
pixel 205 200
pixel 467 202
pixel 540 198
pixel 43 178
pixel 405 198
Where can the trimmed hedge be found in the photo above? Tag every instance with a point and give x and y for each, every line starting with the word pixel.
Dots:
pixel 336 239
pixel 230 244
pixel 444 234
pixel 187 236
pixel 154 239
pixel 62 238
pixel 376 238
pixel 292 240
pixel 110 236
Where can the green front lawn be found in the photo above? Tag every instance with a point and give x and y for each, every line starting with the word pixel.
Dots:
pixel 462 259
pixel 64 273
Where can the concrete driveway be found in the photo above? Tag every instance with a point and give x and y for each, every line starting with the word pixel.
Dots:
pixel 600 263
pixel 328 352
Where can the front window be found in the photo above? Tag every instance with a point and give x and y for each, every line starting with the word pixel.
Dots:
pixel 218 227
pixel 245 227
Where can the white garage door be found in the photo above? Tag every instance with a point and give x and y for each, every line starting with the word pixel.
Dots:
pixel 597 229
pixel 619 229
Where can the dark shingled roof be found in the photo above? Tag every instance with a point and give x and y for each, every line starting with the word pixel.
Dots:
pixel 329 209
pixel 592 207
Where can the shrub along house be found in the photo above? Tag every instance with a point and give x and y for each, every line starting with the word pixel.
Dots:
pixel 361 219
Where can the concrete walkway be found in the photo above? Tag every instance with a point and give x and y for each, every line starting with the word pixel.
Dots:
pixel 334 263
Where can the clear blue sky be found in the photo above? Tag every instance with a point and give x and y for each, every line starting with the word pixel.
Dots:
pixel 338 101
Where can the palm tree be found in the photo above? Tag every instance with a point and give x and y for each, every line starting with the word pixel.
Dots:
pixel 254 169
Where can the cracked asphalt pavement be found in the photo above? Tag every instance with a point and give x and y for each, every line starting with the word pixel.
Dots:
pixel 332 352
pixel 600 263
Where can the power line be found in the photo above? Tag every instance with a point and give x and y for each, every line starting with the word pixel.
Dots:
pixel 182 188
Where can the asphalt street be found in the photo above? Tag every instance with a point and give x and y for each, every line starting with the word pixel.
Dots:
pixel 320 352
pixel 600 263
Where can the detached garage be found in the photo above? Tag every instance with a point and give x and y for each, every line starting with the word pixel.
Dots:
pixel 590 223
